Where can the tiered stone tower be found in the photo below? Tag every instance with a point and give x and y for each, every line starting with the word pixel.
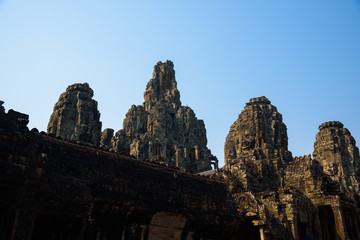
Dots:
pixel 256 148
pixel 162 130
pixel 258 133
pixel 75 116
pixel 336 151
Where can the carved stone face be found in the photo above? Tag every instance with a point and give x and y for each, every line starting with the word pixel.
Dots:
pixel 247 140
pixel 331 169
pixel 258 133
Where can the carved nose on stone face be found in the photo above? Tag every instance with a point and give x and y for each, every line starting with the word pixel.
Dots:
pixel 248 142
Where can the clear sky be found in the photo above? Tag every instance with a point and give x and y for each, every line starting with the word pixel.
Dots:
pixel 302 55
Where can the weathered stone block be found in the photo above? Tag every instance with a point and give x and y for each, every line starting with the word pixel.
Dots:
pixel 75 116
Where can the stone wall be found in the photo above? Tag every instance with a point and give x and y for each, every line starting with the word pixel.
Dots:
pixel 89 187
pixel 55 189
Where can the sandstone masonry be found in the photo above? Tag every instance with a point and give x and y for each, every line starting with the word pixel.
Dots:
pixel 262 192
pixel 163 130
pixel 75 116
pixel 310 198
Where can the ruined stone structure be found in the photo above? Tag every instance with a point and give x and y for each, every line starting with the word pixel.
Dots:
pixel 63 190
pixel 75 116
pixel 163 130
pixel 89 187
pixel 258 133
pixel 106 138
pixel 13 121
pixel 295 198
pixel 2 109
pixel 337 153
pixel 256 146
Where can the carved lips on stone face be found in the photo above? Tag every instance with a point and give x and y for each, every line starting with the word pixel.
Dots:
pixel 331 169
pixel 248 140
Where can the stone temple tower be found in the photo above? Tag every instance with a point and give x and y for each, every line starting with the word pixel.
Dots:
pixel 336 151
pixel 75 116
pixel 256 148
pixel 163 130
pixel 258 133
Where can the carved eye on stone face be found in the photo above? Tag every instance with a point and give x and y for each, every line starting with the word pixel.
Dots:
pixel 248 140
pixel 331 169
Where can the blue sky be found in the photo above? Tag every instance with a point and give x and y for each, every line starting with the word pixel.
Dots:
pixel 302 55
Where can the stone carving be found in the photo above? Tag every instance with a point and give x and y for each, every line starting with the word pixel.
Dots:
pixel 105 139
pixel 162 130
pixel 316 197
pixel 162 87
pixel 2 109
pixel 332 169
pixel 336 151
pixel 262 192
pixel 256 146
pixel 13 121
pixel 75 116
pixel 258 133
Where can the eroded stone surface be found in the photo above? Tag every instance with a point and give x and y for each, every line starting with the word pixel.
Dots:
pixel 75 116
pixel 106 137
pixel 54 186
pixel 162 86
pixel 13 121
pixel 256 146
pixel 336 151
pixel 258 133
pixel 161 129
pixel 56 189
pixel 310 197
pixel 2 109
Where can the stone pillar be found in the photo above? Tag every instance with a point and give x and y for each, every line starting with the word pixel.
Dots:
pixel 23 224
pixel 215 162
pixel 99 237
pixel 83 228
pixel 293 229
pixel 150 149
pixel 197 153
pixel 260 224
pixel 144 229
pixel 186 154
pixel 262 234
pixel 339 222
pixel 177 155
